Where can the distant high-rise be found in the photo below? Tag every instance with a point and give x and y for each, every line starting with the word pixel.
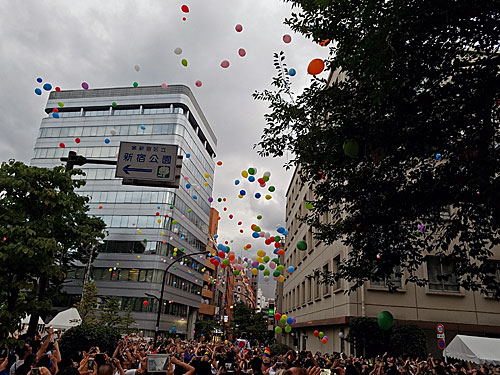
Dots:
pixel 142 235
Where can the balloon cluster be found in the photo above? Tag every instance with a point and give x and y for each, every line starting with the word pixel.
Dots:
pixel 320 335
pixel 285 321
pixel 250 176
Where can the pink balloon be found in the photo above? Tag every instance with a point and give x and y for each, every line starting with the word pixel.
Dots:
pixel 238 28
pixel 224 64
pixel 198 83
pixel 85 85
pixel 242 52
pixel 287 38
pixel 272 265
pixel 164 85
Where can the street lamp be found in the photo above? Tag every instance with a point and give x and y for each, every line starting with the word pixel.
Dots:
pixel 160 299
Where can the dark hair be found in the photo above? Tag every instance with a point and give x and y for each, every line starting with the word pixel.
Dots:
pixel 26 366
pixel 44 361
pixel 70 370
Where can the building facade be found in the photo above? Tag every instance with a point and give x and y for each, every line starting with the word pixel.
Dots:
pixel 329 309
pixel 146 225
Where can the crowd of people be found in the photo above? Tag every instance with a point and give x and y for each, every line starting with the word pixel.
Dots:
pixel 137 356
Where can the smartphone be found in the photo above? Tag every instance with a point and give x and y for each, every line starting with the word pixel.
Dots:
pixel 158 363
pixel 91 363
pixel 325 371
pixel 35 371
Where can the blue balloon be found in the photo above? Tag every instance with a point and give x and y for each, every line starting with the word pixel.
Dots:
pixel 183 238
pixel 143 127
pixel 292 72
pixel 195 196
pixel 188 156
pixel 107 141
pixel 38 91
pixel 216 257
pixel 255 235
pixel 188 186
pixel 258 195
pixel 47 87
pixel 39 80
pixel 251 178
pixel 158 207
pixel 55 114
pixel 221 247
pixel 289 320
pixel 242 192
pixel 281 230
pixel 438 156
pixel 290 270
pixel 216 236
pixel 275 251
pixel 173 328
pixel 236 182
pixel 285 233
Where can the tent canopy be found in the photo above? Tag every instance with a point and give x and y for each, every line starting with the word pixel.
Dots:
pixel 26 320
pixel 480 350
pixel 66 319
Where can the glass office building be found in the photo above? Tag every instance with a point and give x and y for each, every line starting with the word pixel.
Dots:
pixel 142 231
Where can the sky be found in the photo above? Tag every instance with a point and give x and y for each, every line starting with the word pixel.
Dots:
pixel 100 42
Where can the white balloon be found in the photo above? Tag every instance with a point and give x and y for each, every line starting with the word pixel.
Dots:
pixel 267 235
pixel 137 68
pixel 266 278
pixel 178 51
pixel 113 131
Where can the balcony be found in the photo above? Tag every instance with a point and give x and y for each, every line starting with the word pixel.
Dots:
pixel 207 293
pixel 209 265
pixel 207 309
pixel 206 277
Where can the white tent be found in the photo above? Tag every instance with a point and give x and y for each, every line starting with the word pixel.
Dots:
pixel 480 350
pixel 26 320
pixel 66 319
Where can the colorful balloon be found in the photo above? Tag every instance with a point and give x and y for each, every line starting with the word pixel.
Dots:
pixel 242 52
pixel 287 38
pixel 85 85
pixel 137 68
pixel 185 8
pixel 225 64
pixel 178 51
pixel 38 91
pixel 238 28
pixel 302 245
pixel 198 83
pixel 47 87
pixel 292 72
pixel 315 67
pixel 184 62
pixel 385 320
pixel 164 86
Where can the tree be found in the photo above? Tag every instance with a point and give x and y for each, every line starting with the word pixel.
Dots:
pixel 87 306
pixel 245 320
pixel 84 336
pixel 408 341
pixel 43 225
pixel 400 145
pixel 127 321
pixel 367 338
pixel 241 319
pixel 110 314
pixel 206 328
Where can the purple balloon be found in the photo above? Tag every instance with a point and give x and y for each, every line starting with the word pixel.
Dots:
pixel 255 263
pixel 294 320
pixel 85 85
pixel 325 337
pixel 210 199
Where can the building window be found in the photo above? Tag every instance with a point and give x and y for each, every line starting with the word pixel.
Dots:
pixel 326 286
pixel 309 290
pixel 317 287
pixel 441 274
pixel 393 279
pixel 303 293
pixel 493 277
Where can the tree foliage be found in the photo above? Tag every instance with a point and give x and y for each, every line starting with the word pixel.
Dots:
pixel 206 328
pixel 245 320
pixel 408 341
pixel 87 306
pixel 43 226
pixel 415 85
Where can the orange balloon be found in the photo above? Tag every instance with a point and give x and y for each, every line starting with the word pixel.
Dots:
pixel 315 67
pixel 324 43
pixel 324 341
pixel 280 252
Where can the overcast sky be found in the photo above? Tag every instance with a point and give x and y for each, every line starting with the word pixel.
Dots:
pixel 100 42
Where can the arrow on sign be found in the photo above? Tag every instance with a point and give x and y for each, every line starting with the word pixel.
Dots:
pixel 128 169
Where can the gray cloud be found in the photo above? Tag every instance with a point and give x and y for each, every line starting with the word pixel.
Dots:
pixel 67 43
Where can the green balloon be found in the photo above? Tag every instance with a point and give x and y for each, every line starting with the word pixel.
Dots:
pixel 385 320
pixel 251 171
pixel 136 84
pixel 190 210
pixel 280 268
pixel 266 259
pixel 181 249
pixel 114 104
pixel 276 273
pixel 278 330
pixel 282 321
pixel 265 178
pixel 288 329
pixel 262 267
pixel 302 245
pixel 272 188
pixel 267 272
pixel 321 334
pixel 145 240
pixel 174 221
pixel 309 205
pixel 236 272
pixel 259 217
pixel 351 148
pixel 256 228
pixel 60 104
pixel 277 238
pixel 276 260
pixel 225 262
pixel 175 254
pixel 171 207
pixel 184 62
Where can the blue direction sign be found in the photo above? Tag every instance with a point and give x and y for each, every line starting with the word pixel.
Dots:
pixel 147 162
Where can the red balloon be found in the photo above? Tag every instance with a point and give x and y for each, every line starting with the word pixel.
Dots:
pixel 277 245
pixel 185 8
pixel 62 145
pixel 77 140
pixel 157 214
pixel 58 89
pixel 324 341
pixel 316 333
pixel 277 316
pixel 145 303
pixel 222 254
pixel 316 66
pixel 215 262
pixel 241 344
pixel 55 110
pixel 268 241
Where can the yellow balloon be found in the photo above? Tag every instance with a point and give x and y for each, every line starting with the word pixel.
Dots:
pixel 240 196
pixel 261 253
pixel 159 220
pixel 259 259
pixel 162 233
pixel 206 183
pixel 225 341
pixel 244 174
pixel 281 279
pixel 255 271
pixel 284 316
pixel 110 270
pixel 140 232
pixel 175 249
pixel 207 175
pixel 138 257
pixel 268 197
